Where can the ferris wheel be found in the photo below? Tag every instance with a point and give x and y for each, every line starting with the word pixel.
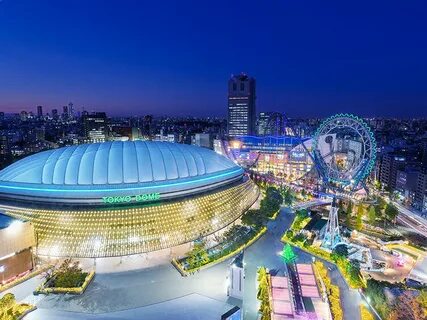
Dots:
pixel 344 151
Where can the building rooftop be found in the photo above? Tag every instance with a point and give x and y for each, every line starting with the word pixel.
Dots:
pixel 113 163
pixel 119 168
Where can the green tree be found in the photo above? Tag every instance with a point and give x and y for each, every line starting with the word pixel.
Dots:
pixel 407 307
pixel 371 215
pixel 381 203
pixel 391 212
pixel 253 218
pixel 69 275
pixel 375 291
pixel 262 294
pixel 303 193
pixel 198 256
pixel 288 254
pixel 359 221
pixel 340 207
pixel 377 185
pixel 7 302
pixel 360 209
pixel 379 212
pixel 288 197
pixel 349 211
pixel 422 300
pixel 341 250
pixel 262 283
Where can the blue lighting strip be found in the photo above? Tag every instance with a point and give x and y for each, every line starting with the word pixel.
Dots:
pixel 124 189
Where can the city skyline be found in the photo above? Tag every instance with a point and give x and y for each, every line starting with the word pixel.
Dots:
pixel 234 160
pixel 308 59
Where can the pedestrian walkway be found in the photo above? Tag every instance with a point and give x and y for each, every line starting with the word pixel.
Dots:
pixel 190 307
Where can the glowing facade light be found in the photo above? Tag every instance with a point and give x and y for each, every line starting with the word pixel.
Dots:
pixel 123 231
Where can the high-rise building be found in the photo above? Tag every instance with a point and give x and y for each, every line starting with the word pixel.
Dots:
pixel 390 164
pixel 65 112
pixel 421 191
pixel 55 114
pixel 39 112
pixel 24 115
pixel 424 153
pixel 95 126
pixel 271 124
pixel 4 145
pixel 241 105
pixel 70 110
pixel 147 125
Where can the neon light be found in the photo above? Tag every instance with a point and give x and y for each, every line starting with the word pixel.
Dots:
pixel 138 198
pixel 125 189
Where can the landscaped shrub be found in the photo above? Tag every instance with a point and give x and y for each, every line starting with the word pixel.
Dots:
pixel 10 309
pixel 332 291
pixel 68 275
pixel 263 293
pixel 365 314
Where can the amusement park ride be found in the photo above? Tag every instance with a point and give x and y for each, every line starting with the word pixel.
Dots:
pixel 344 151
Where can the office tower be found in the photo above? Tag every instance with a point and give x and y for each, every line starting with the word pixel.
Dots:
pixel 147 125
pixel 390 164
pixel 4 145
pixel 424 153
pixel 95 126
pixel 24 115
pixel 241 105
pixel 65 113
pixel 55 114
pixel 70 110
pixel 39 112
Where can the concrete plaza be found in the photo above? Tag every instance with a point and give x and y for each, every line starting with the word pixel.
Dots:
pixel 161 292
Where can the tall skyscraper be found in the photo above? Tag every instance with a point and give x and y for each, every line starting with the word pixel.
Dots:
pixel 241 105
pixel 424 153
pixel 65 113
pixel 39 111
pixel 95 126
pixel 55 114
pixel 70 110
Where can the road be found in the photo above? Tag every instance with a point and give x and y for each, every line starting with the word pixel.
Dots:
pixel 411 220
pixel 312 203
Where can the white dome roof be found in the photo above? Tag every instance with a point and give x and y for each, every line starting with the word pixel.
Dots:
pixel 116 165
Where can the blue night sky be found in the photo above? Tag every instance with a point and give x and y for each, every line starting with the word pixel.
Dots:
pixel 310 58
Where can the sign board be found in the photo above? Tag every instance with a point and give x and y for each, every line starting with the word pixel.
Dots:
pixel 127 199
